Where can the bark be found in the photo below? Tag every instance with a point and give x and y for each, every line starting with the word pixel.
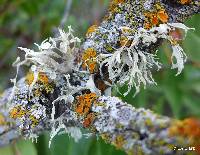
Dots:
pixel 79 97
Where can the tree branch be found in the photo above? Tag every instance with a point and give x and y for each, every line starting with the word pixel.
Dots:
pixel 69 88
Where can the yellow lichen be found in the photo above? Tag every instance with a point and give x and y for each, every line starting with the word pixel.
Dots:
pixel 43 80
pixel 29 78
pixel 124 41
pixel 2 120
pixel 89 53
pixel 42 77
pixel 37 92
pixel 119 141
pixel 127 30
pixel 118 1
pixel 113 5
pixel 105 137
pixel 91 29
pixel 1 94
pixel 148 122
pixel 89 60
pixel 34 121
pixel 17 112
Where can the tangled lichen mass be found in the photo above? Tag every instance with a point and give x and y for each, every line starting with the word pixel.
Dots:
pixel 62 94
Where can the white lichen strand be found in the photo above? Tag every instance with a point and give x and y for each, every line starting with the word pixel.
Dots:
pixel 139 63
pixel 180 58
pixel 53 56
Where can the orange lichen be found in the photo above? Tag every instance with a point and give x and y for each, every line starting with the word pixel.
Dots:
pixel 89 60
pixel 84 103
pixel 155 20
pixel 147 25
pixel 91 29
pixel 162 16
pixel 88 120
pixel 92 66
pixel 159 16
pixel 185 1
pixel 43 78
pixel 188 129
pixel 17 112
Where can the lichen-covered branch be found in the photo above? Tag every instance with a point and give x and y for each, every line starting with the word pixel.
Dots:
pixel 127 39
pixel 133 130
pixel 69 86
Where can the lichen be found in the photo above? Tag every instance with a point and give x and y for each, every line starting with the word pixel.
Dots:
pixel 64 89
pixel 89 60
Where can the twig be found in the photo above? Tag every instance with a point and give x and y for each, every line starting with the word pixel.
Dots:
pixel 66 13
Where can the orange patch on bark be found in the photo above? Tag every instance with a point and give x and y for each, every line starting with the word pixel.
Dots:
pixel 158 16
pixel 84 103
pixel 91 29
pixel 88 120
pixel 189 129
pixel 185 1
pixel 17 112
pixel 89 60
pixel 163 16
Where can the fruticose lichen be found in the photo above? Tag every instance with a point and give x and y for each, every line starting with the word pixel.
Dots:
pixel 69 86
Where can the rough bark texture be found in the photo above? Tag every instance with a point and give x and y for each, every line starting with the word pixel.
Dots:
pixel 119 50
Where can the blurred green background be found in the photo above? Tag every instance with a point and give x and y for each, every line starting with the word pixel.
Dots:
pixel 23 22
